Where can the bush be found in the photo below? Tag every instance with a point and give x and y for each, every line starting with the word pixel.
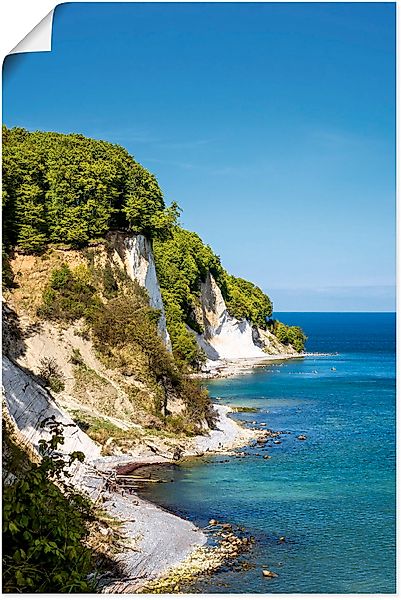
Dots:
pixel 288 335
pixel 69 295
pixel 124 331
pixel 45 525
pixel 7 272
pixel 128 322
pixel 76 358
pixel 50 374
pixel 110 285
pixel 246 301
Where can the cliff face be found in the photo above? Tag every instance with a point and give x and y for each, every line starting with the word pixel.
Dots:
pixel 228 338
pixel 95 392
pixel 137 256
pixel 224 337
pixel 28 404
pixel 106 395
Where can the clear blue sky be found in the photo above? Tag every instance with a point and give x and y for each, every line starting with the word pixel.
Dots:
pixel 272 125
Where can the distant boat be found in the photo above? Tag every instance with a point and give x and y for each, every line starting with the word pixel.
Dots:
pixel 333 369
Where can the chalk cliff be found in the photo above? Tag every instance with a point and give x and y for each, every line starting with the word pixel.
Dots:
pixel 137 256
pixel 224 337
pixel 28 404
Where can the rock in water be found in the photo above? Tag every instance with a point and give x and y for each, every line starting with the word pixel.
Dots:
pixel 267 573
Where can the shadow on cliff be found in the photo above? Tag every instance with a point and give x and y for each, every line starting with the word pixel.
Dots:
pixel 14 335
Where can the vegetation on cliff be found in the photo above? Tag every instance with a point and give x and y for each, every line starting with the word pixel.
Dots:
pixel 288 334
pixel 45 521
pixel 183 262
pixel 72 189
pixel 123 328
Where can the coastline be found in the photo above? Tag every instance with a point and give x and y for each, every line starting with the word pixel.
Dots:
pixel 160 545
pixel 216 369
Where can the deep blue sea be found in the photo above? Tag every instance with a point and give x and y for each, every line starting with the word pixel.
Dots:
pixel 333 495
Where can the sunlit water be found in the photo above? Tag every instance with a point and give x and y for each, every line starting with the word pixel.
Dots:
pixel 333 495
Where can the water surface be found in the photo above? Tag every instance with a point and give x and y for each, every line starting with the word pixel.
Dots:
pixel 333 495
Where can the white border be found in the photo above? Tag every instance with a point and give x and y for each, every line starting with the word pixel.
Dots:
pixel 18 19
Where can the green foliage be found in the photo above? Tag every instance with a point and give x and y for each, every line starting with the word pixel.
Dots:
pixel 76 358
pixel 7 272
pixel 50 373
pixel 198 403
pixel 69 295
pixel 44 526
pixel 182 264
pixel 144 205
pixel 72 189
pixel 246 300
pixel 110 285
pixel 129 322
pixel 288 335
pixel 124 330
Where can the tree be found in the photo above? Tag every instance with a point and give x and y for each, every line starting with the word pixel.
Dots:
pixel 31 217
pixel 73 189
pixel 144 205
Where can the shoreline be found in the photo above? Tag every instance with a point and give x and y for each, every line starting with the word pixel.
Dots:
pixel 160 543
pixel 223 368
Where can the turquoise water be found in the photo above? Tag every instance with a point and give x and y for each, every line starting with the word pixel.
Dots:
pixel 333 495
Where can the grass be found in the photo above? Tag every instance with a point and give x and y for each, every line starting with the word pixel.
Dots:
pixel 101 430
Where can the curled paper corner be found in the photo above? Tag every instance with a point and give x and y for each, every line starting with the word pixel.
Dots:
pixel 39 39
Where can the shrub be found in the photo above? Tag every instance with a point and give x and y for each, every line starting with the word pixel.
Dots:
pixel 288 335
pixel 50 374
pixel 124 331
pixel 69 295
pixel 76 357
pixel 7 272
pixel 45 525
pixel 110 285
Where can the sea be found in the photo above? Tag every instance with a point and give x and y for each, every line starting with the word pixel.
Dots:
pixel 332 495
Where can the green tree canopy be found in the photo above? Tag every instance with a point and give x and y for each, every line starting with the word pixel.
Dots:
pixel 73 189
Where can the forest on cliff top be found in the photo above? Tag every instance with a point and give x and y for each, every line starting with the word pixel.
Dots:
pixel 72 190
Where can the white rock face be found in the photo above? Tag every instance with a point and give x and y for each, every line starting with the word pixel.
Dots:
pixel 141 268
pixel 29 404
pixel 225 337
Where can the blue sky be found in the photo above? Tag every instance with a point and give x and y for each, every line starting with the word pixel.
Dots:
pixel 272 125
